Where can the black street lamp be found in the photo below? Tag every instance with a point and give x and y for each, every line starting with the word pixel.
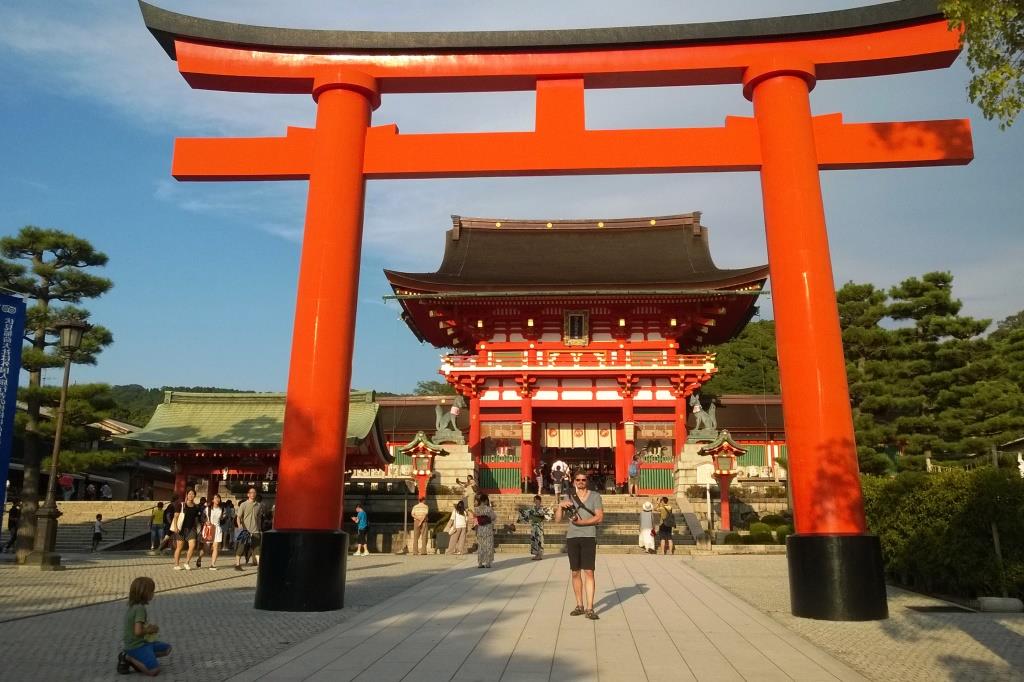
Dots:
pixel 70 332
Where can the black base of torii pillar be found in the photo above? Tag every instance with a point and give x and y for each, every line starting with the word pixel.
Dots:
pixel 302 570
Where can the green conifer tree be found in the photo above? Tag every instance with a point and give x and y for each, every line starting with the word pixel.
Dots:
pixel 47 267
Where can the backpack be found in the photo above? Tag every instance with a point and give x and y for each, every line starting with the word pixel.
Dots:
pixel 634 470
pixel 670 519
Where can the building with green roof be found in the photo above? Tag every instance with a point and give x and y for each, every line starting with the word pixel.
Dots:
pixel 235 438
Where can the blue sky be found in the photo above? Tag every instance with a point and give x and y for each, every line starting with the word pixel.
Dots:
pixel 205 273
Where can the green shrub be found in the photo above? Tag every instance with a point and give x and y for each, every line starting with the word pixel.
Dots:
pixel 936 529
pixel 772 520
pixel 759 539
pixel 733 539
pixel 781 532
pixel 760 527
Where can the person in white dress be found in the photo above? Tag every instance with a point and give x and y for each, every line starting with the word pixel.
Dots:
pixel 214 516
pixel 646 537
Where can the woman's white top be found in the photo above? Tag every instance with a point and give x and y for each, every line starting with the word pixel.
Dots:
pixel 214 515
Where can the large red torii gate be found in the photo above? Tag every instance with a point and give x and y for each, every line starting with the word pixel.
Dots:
pixel 835 565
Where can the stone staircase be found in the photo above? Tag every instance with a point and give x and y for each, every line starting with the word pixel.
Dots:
pixel 122 521
pixel 617 535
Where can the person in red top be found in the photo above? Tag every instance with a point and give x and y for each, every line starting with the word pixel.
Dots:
pixel 67 486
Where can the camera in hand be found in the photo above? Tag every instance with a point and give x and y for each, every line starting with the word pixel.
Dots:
pixel 572 513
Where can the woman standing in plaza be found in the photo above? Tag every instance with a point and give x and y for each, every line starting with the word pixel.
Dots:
pixel 214 519
pixel 457 527
pixel 186 523
pixel 483 519
pixel 227 526
pixel 536 516
pixel 647 531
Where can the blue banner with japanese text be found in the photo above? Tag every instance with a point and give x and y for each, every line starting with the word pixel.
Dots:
pixel 12 331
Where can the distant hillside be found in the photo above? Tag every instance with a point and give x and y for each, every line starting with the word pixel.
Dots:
pixel 135 404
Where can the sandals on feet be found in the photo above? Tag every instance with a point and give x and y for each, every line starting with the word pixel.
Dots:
pixel 578 611
pixel 591 615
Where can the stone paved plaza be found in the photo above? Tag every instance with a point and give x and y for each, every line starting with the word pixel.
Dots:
pixel 913 644
pixel 439 618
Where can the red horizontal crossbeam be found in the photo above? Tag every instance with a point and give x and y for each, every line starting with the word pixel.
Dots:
pixel 733 147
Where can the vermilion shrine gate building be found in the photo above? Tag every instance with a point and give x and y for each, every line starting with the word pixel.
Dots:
pixel 578 340
pixel 835 563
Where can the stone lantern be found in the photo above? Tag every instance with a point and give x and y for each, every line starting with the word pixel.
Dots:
pixel 723 453
pixel 422 453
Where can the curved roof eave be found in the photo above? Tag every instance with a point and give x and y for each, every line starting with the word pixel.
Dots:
pixel 167 26
pixel 430 282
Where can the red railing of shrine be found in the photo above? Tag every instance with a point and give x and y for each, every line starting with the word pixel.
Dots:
pixel 582 359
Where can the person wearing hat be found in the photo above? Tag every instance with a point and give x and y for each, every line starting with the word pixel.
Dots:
pixel 646 538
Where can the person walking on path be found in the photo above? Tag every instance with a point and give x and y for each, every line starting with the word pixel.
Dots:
pixel 156 526
pixel 186 525
pixel 419 526
pixel 666 524
pixel 584 510
pixel 13 519
pixel 483 520
pixel 141 648
pixel 557 477
pixel 97 532
pixel 634 475
pixel 536 516
pixel 538 473
pixel 227 526
pixel 170 510
pixel 647 530
pixel 250 529
pixel 212 529
pixel 362 522
pixel 456 529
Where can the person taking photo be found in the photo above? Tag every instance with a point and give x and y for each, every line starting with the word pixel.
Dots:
pixel 584 510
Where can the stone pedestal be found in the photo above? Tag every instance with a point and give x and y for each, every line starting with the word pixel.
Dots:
pixel 457 464
pixel 43 555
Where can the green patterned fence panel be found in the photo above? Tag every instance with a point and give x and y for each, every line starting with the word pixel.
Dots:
pixel 499 479
pixel 755 456
pixel 656 479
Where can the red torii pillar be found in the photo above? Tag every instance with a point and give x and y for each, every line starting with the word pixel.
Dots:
pixel 835 566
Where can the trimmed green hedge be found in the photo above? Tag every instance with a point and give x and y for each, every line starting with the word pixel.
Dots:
pixel 759 539
pixel 733 539
pixel 936 530
pixel 760 527
pixel 781 532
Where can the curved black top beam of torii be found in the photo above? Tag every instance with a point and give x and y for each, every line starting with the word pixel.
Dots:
pixel 167 26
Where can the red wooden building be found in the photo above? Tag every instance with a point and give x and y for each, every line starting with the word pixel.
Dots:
pixel 577 340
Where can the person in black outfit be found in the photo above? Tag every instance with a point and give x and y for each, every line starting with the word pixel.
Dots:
pixel 188 529
pixel 13 518
pixel 170 510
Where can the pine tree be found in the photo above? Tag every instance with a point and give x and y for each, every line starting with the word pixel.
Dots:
pixel 48 268
pixel 747 364
pixel 866 345
pixel 934 372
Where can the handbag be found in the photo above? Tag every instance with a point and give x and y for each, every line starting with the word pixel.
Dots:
pixel 208 532
pixel 177 521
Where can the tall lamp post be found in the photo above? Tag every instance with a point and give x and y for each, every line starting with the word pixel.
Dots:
pixel 70 332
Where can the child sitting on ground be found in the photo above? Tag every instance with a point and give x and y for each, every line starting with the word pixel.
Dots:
pixel 141 648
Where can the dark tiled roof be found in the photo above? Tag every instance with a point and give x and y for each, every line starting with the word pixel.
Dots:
pixel 658 252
